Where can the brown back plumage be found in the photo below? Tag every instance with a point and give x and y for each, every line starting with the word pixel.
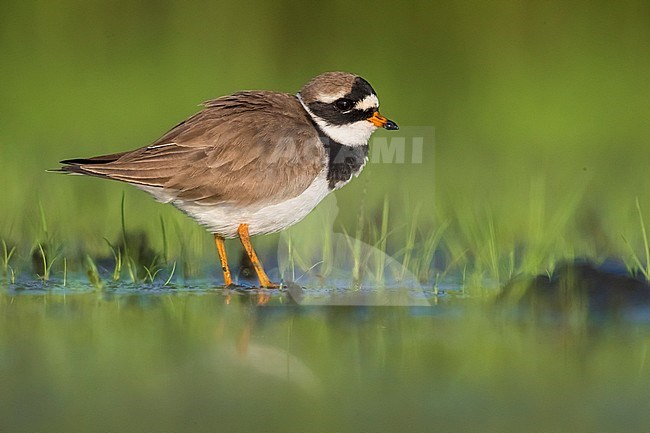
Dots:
pixel 249 147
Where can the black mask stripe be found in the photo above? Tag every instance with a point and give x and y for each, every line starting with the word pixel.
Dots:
pixel 332 115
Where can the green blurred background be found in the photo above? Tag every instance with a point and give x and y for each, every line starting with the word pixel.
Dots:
pixel 540 110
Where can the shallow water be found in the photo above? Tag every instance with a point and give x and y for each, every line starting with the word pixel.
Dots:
pixel 200 358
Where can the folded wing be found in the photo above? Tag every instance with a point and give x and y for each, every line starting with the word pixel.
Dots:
pixel 246 148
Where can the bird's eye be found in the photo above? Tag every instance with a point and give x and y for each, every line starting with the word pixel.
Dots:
pixel 344 104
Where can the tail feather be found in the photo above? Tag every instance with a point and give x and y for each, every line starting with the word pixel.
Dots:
pixel 147 173
pixel 75 165
pixel 102 159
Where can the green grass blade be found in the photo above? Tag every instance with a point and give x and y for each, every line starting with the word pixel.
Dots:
pixel 165 255
pixel 644 234
pixel 93 275
pixel 171 274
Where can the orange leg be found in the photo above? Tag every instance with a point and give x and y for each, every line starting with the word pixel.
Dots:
pixel 221 249
pixel 246 242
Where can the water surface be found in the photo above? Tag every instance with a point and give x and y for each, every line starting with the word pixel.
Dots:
pixel 203 358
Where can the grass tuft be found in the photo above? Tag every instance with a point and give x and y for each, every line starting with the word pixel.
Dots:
pixel 638 264
pixel 117 256
pixel 42 262
pixel 93 275
pixel 7 254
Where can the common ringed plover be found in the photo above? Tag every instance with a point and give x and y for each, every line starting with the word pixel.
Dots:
pixel 254 162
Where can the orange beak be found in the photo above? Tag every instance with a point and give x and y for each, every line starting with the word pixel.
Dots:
pixel 381 122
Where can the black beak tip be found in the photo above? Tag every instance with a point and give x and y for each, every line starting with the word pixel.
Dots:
pixel 391 126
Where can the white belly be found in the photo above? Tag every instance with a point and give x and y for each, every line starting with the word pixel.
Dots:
pixel 224 219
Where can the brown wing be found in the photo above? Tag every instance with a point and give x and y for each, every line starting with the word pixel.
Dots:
pixel 248 147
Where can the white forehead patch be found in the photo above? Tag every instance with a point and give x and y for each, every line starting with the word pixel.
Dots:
pixel 369 101
pixel 329 98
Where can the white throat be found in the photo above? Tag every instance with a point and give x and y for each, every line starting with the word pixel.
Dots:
pixel 352 134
